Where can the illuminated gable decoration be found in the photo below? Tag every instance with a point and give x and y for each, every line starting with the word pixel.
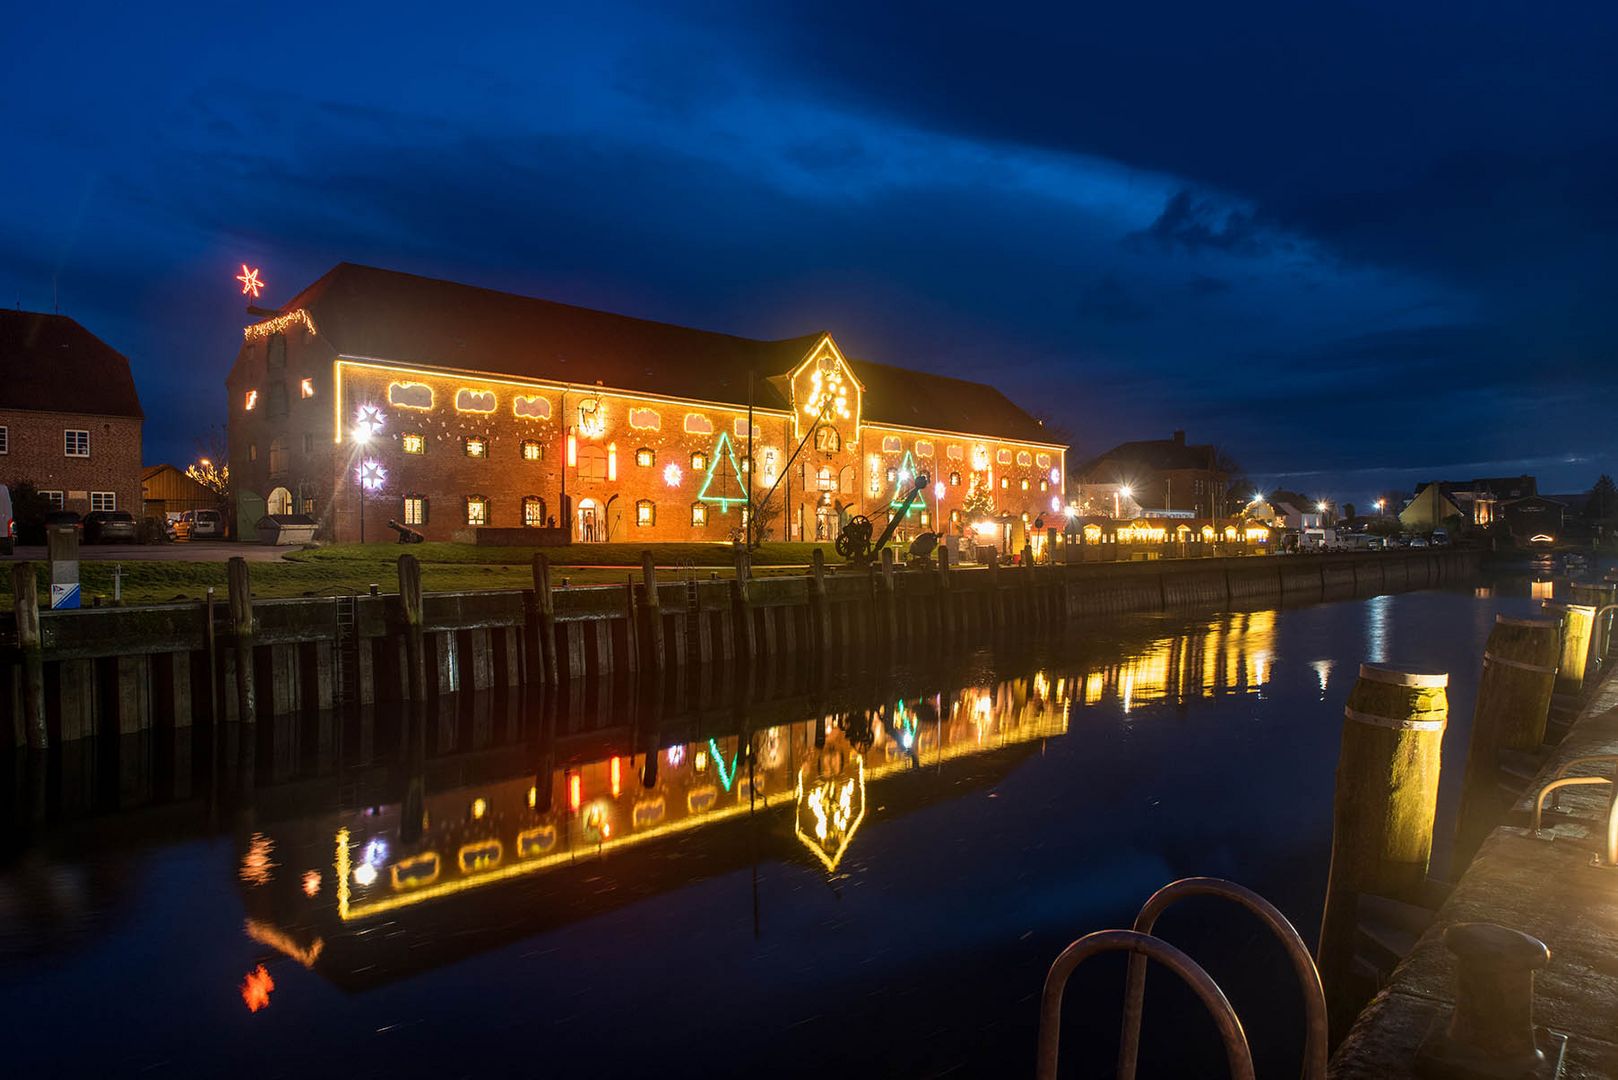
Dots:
pixel 1002 457
pixel 1024 458
pixel 739 426
pixel 924 449
pixel 829 813
pixel 475 401
pixel 891 444
pixel 828 391
pixel 531 408
pixel 592 418
pixel 1043 461
pixel 980 458
pixel 954 453
pixel 409 395
pixel 645 419
pixel 697 424
pixel 722 464
pixel 278 325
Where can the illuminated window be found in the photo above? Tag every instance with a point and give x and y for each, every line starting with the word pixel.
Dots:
pixel 592 463
pixel 1004 483
pixel 699 513
pixel 893 476
pixel 825 478
pixel 1025 485
pixel 306 388
pixel 645 458
pixel 699 462
pixel 645 512
pixel 827 440
pixel 533 511
pixel 415 509
pixel 477 510
pixel 75 443
pixel 413 443
pixel 251 400
pixel 926 518
pixel 1044 485
pixel 103 500
pixel 476 446
pixel 252 451
pixel 954 479
pixel 954 517
pixel 532 450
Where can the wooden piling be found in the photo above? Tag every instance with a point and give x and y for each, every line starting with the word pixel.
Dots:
pixel 1382 815
pixel 1578 624
pixel 996 614
pixel 241 634
pixel 819 622
pixel 946 607
pixel 30 726
pixel 887 610
pixel 545 615
pixel 743 632
pixel 414 629
pixel 652 658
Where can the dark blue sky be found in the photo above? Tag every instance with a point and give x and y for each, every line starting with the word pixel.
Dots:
pixel 1358 245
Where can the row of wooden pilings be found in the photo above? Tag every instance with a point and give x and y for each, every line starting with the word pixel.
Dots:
pixel 1389 766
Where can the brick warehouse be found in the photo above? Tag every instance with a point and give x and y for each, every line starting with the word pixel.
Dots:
pixel 496 411
pixel 70 419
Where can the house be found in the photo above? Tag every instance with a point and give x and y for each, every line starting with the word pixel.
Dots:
pixel 1431 509
pixel 1534 520
pixel 1295 511
pixel 70 419
pixel 1166 477
pixel 168 490
pixel 1476 502
pixel 451 409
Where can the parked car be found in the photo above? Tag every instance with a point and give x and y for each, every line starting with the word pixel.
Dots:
pixel 111 527
pixel 201 525
pixel 8 523
pixel 1440 538
pixel 58 518
pixel 1419 542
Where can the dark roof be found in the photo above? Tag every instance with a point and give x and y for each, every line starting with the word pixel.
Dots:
pixel 363 311
pixel 1157 454
pixel 50 363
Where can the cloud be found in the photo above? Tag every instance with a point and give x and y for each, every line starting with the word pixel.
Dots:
pixel 1192 223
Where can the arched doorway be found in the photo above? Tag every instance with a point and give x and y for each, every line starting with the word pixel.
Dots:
pixel 279 502
pixel 591 526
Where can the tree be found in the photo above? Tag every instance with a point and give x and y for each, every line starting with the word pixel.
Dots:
pixel 28 510
pixel 212 467
pixel 1603 504
pixel 1348 511
pixel 979 502
pixel 765 514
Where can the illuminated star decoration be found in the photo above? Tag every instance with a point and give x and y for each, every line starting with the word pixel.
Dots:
pixel 371 474
pixel 251 285
pixel 256 989
pixel 367 422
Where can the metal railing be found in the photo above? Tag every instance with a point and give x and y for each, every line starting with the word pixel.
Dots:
pixel 1562 780
pixel 1237 1056
pixel 1314 997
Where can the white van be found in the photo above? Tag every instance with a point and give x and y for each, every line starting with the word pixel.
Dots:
pixel 8 523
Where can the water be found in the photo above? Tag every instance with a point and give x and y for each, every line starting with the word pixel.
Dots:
pixel 818 910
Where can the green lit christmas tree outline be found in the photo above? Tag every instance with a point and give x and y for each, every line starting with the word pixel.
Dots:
pixel 901 486
pixel 724 501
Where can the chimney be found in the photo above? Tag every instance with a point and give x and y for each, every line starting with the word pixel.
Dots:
pixel 1179 438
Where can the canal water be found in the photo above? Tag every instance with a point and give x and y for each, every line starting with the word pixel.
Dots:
pixel 855 874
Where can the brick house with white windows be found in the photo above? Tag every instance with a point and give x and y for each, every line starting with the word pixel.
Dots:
pixel 70 419
pixel 497 411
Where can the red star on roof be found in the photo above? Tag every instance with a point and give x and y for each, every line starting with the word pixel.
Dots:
pixel 251 285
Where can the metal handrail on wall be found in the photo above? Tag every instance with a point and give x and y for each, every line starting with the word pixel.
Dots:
pixel 1143 946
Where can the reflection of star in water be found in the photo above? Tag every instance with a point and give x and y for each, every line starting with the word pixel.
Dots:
pixel 257 864
pixel 251 285
pixel 256 989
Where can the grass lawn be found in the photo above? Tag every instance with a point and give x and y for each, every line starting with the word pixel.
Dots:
pixel 444 568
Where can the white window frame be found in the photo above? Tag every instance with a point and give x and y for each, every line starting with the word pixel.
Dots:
pixel 5 439
pixel 57 499
pixel 414 510
pixel 482 503
pixel 67 435
pixel 109 500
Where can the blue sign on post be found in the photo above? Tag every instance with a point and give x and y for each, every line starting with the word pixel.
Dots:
pixel 65 597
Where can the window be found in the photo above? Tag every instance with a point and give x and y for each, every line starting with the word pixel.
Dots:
pixel 533 511
pixel 1025 485
pixel 954 479
pixel 103 500
pixel 413 442
pixel 278 399
pixel 308 443
pixel 250 400
pixel 252 451
pixel 1004 483
pixel 926 519
pixel 1044 485
pixel 825 478
pixel 645 512
pixel 278 456
pixel 54 498
pixel 75 443
pixel 699 462
pixel 415 509
pixel 699 513
pixel 306 388
pixel 476 446
pixel 592 463
pixel 827 440
pixel 275 357
pixel 5 440
pixel 532 450
pixel 645 458
pixel 477 510
pixel 893 476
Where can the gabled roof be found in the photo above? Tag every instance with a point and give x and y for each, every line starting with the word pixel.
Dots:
pixel 1164 455
pixel 385 315
pixel 50 363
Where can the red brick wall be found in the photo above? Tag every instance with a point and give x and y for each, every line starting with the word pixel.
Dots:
pixel 35 444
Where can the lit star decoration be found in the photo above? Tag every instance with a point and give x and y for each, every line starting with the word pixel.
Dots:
pixel 371 474
pixel 367 423
pixel 251 285
pixel 256 989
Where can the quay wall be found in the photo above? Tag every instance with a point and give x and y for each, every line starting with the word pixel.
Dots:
pixel 109 671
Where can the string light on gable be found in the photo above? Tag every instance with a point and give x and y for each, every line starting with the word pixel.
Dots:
pixel 279 325
pixel 828 392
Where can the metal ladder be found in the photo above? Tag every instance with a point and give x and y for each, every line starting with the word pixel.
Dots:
pixel 1142 946
pixel 345 684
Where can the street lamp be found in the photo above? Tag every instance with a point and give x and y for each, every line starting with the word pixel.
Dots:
pixel 1125 491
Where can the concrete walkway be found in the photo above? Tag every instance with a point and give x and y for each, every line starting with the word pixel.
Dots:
pixel 1541 886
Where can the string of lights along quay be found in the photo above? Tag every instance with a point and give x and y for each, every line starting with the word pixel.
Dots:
pixel 374 396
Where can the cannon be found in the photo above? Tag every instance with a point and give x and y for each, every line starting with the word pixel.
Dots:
pixel 854 542
pixel 407 535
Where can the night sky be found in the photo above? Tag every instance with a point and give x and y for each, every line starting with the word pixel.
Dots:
pixel 1355 245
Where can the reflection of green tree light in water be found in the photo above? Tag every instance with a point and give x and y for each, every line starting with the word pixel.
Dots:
pixel 727 777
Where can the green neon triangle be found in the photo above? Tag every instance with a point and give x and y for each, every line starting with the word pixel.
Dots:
pixel 907 466
pixel 725 502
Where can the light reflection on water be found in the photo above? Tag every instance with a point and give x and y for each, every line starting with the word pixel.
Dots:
pixel 770 846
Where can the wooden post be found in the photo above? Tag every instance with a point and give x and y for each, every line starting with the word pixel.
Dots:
pixel 1513 704
pixel 241 633
pixel 1382 815
pixel 25 606
pixel 213 658
pixel 887 608
pixel 1578 623
pixel 742 627
pixel 1030 604
pixel 946 607
pixel 546 615
pixel 819 617
pixel 996 615
pixel 414 630
pixel 652 612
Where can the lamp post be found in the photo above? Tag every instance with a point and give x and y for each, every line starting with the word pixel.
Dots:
pixel 1123 490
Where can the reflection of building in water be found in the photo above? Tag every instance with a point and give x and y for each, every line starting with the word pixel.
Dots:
pixel 1232 653
pixel 472 837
